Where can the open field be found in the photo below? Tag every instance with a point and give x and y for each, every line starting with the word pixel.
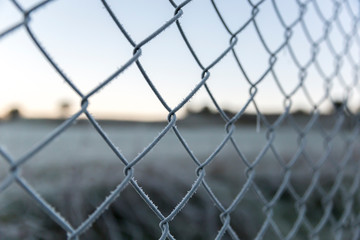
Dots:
pixel 76 171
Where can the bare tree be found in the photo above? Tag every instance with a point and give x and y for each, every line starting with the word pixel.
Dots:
pixel 13 114
pixel 64 108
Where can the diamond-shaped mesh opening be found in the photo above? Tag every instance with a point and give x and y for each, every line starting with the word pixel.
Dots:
pixel 226 85
pixel 284 61
pixel 173 75
pixel 275 102
pixel 264 30
pixel 200 33
pixel 253 59
pixel 67 46
pixel 301 176
pixel 257 108
pixel 155 164
pixel 199 213
pixel 285 213
pixel 226 169
pixel 304 55
pixel 250 212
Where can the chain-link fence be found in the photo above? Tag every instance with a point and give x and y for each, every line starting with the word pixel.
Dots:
pixel 265 175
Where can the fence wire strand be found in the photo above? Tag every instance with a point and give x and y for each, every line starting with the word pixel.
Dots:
pixel 344 226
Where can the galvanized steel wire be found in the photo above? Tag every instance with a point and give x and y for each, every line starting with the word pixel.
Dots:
pixel 349 220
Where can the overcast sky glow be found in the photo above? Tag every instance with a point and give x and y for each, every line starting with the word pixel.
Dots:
pixel 86 44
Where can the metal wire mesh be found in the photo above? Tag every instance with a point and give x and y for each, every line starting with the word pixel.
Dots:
pixel 338 201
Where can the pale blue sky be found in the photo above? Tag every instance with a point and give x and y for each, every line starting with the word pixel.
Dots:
pixel 86 44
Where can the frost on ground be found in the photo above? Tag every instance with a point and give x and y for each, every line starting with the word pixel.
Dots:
pixel 76 172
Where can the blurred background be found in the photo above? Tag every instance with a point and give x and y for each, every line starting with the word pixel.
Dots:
pixel 88 47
